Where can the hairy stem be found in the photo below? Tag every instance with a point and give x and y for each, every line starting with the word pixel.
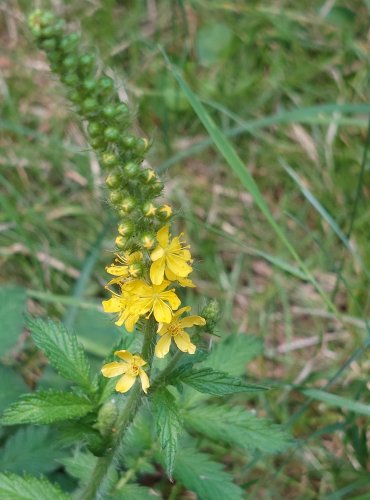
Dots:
pixel 127 415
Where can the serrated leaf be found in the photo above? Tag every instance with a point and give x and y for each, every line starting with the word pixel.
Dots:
pixel 32 450
pixel 135 492
pixel 239 427
pixel 232 354
pixel 61 347
pixel 80 466
pixel 217 383
pixel 13 388
pixel 13 487
pixel 13 303
pixel 168 425
pixel 198 473
pixel 45 407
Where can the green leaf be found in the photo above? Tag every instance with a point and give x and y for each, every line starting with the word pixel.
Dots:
pixel 63 350
pixel 168 425
pixel 13 302
pixel 333 400
pixel 32 450
pixel 232 354
pixel 198 473
pixel 45 407
pixel 237 426
pixel 80 466
pixel 135 492
pixel 13 388
pixel 13 487
pixel 217 383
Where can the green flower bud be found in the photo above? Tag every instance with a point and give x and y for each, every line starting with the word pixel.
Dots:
pixel 211 313
pixel 74 96
pixel 105 84
pixel 86 62
pixel 142 145
pixel 89 84
pixel 115 197
pixel 109 160
pixel 111 133
pixel 126 228
pixel 128 141
pixel 147 240
pixel 69 42
pixel 126 206
pixel 49 44
pixel 109 111
pixel 121 111
pixel 98 142
pixel 89 105
pixel 149 210
pixel 70 79
pixel 113 180
pixel 157 188
pixel 94 129
pixel 106 417
pixel 136 270
pixel 131 169
pixel 70 62
pixel 149 176
pixel 121 242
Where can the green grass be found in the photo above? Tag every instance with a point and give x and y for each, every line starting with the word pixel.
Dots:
pixel 272 193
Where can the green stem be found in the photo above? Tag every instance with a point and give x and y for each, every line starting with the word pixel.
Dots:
pixel 128 413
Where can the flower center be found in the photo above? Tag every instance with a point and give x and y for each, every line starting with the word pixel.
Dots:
pixel 134 370
pixel 174 328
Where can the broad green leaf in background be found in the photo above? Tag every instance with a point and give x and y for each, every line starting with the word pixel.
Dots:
pixel 168 424
pixel 13 487
pixel 233 353
pixel 237 427
pixel 63 350
pixel 45 407
pixel 333 400
pixel 217 383
pixel 13 303
pixel 32 450
pixel 135 492
pixel 12 386
pixel 80 466
pixel 199 473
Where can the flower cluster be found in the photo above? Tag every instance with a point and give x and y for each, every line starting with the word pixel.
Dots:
pixel 149 263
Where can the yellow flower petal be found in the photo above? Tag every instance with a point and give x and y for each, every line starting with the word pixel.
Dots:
pixel 163 236
pixel 178 266
pixel 157 253
pixel 162 312
pixel 172 299
pixel 112 305
pixel 157 271
pixel 138 360
pixel 125 383
pixel 163 345
pixel 125 355
pixel 117 270
pixel 182 340
pixel 189 321
pixel 113 369
pixel 145 384
pixel 181 311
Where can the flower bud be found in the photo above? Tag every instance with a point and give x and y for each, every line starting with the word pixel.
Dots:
pixel 121 111
pixel 89 105
pixel 69 42
pixel 111 133
pixel 105 84
pixel 86 62
pixel 89 84
pixel 142 145
pixel 126 206
pixel 157 188
pixel 147 240
pixel 211 313
pixel 113 180
pixel 70 62
pixel 131 169
pixel 109 111
pixel 136 269
pixel 49 44
pixel 126 228
pixel 128 141
pixel 109 160
pixel 70 79
pixel 115 197
pixel 94 129
pixel 107 416
pixel 121 242
pixel 149 175
pixel 165 212
pixel 149 210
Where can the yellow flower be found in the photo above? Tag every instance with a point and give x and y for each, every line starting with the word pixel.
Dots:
pixel 153 299
pixel 175 330
pixel 186 282
pixel 121 305
pixel 122 268
pixel 131 368
pixel 169 256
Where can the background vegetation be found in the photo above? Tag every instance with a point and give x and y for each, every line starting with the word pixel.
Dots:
pixel 287 82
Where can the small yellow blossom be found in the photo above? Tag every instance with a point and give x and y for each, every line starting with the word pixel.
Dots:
pixel 170 256
pixel 154 299
pixel 122 264
pixel 166 210
pixel 121 305
pixel 175 330
pixel 131 368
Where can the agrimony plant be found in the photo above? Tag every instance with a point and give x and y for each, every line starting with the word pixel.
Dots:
pixel 134 413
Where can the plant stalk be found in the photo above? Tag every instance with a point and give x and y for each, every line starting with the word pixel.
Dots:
pixel 124 419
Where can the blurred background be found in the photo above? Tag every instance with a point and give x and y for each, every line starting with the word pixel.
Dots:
pixel 288 83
